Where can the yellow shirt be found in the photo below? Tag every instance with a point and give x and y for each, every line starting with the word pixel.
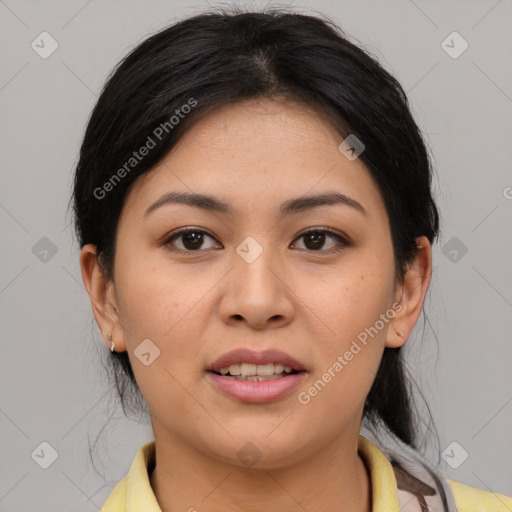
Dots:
pixel 134 493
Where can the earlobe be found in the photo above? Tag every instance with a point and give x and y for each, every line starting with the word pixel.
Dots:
pixel 102 297
pixel 397 335
pixel 411 295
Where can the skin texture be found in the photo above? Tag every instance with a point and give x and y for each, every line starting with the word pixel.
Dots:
pixel 298 296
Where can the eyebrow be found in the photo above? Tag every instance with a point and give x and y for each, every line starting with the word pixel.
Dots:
pixel 292 206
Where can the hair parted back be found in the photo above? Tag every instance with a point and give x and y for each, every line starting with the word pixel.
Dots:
pixel 226 56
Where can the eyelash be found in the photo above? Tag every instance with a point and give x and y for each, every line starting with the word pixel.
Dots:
pixel 333 234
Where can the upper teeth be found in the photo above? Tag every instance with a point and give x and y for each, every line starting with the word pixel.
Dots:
pixel 247 369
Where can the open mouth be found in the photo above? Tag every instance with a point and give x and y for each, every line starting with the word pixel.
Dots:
pixel 256 372
pixel 243 375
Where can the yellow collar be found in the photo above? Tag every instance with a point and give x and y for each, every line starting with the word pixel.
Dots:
pixel 134 493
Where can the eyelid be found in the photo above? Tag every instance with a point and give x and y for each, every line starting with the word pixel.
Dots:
pixel 343 240
pixel 326 230
pixel 183 231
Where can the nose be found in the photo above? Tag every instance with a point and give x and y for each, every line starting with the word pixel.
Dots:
pixel 256 293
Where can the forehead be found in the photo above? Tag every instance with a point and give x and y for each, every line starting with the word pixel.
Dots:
pixel 255 153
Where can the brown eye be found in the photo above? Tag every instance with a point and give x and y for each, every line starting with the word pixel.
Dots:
pixel 315 239
pixel 192 239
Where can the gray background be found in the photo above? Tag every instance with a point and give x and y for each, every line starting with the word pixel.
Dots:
pixel 52 383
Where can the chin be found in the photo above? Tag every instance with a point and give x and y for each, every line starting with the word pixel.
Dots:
pixel 258 450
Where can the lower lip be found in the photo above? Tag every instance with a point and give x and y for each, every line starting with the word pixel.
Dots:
pixel 257 391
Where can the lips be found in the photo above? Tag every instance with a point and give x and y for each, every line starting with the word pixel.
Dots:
pixel 244 355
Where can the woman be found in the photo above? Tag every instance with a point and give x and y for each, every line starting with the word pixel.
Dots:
pixel 253 203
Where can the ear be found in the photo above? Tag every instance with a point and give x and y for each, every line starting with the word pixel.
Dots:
pixel 103 298
pixel 411 294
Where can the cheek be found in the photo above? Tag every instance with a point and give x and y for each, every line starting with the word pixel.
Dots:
pixel 165 308
pixel 351 334
pixel 348 299
pixel 156 297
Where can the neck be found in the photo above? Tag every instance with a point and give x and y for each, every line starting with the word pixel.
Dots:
pixel 334 478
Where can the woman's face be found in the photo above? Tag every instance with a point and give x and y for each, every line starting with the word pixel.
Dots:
pixel 252 279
